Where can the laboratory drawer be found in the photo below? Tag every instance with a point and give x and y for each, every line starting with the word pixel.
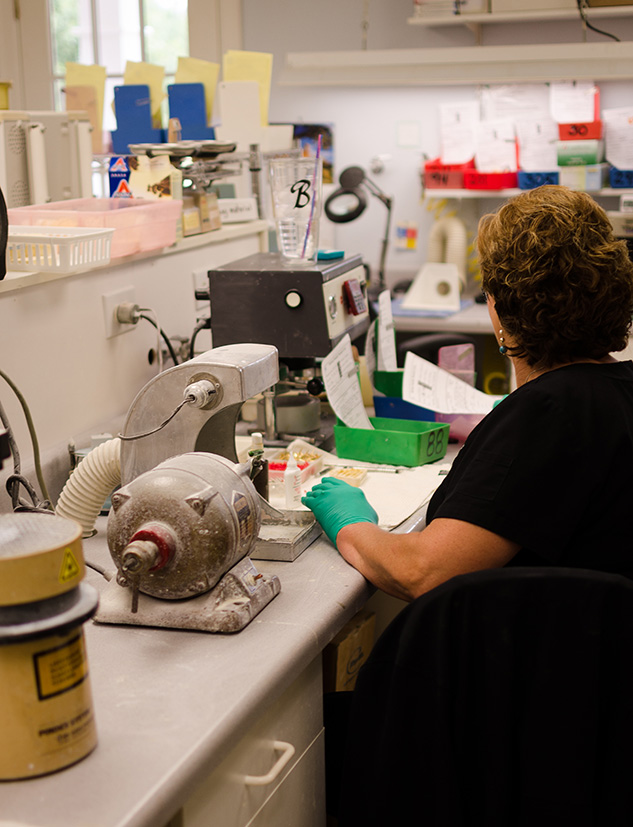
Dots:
pixel 258 766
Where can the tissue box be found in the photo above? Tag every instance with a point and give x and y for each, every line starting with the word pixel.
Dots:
pixel 590 177
pixel 393 441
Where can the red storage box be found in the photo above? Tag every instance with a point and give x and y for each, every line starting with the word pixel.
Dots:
pixel 591 130
pixel 475 180
pixel 445 176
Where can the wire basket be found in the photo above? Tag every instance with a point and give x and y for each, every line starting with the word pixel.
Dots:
pixel 58 250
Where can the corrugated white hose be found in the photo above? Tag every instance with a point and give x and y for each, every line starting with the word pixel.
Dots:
pixel 90 484
pixel 448 242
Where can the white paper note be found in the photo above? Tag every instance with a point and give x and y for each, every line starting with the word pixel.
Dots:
pixel 387 359
pixel 537 144
pixel 457 131
pixel 425 384
pixel 619 136
pixel 496 147
pixel 514 101
pixel 340 377
pixel 572 102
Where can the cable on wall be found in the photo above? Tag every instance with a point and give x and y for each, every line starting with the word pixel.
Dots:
pixel 585 20
pixel 17 480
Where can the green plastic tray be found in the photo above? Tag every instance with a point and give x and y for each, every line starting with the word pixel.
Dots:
pixel 393 441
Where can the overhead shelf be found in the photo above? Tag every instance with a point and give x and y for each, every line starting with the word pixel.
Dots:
pixel 507 193
pixel 461 65
pixel 542 16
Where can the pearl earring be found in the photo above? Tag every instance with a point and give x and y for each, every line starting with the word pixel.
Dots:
pixel 502 348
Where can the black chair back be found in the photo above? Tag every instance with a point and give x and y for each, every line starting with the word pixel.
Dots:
pixel 502 698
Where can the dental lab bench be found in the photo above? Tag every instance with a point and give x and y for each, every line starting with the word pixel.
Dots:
pixel 205 729
pixel 197 727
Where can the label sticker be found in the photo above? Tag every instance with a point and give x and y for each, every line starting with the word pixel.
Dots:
pixel 70 567
pixel 60 669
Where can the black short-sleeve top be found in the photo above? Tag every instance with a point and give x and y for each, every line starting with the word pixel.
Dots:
pixel 551 468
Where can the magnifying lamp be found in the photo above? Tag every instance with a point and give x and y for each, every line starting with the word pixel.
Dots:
pixel 350 200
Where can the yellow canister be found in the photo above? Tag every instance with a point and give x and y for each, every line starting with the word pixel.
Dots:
pixel 5 85
pixel 46 715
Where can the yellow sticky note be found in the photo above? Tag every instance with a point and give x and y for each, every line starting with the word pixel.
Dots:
pixel 95 76
pixel 257 66
pixel 152 76
pixel 194 70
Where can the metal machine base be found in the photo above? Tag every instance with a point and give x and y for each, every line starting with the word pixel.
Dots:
pixel 230 606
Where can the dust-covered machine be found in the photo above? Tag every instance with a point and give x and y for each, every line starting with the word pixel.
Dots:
pixel 188 518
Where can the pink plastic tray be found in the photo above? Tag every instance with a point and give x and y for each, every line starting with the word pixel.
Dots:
pixel 139 224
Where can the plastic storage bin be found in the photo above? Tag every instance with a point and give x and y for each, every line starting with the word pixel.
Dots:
pixel 139 224
pixel 531 180
pixel 46 250
pixel 445 176
pixel 475 180
pixel 621 178
pixel 393 441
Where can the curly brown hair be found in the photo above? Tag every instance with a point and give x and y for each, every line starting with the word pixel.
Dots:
pixel 562 283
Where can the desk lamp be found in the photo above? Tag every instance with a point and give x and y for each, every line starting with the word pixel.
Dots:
pixel 349 201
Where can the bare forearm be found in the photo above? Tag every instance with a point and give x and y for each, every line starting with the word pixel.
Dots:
pixel 392 562
pixel 407 565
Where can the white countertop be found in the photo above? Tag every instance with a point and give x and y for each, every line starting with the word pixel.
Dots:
pixel 473 319
pixel 170 704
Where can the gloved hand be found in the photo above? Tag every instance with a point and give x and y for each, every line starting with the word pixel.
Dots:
pixel 336 503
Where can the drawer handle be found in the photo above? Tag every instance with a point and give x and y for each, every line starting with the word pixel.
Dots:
pixel 287 751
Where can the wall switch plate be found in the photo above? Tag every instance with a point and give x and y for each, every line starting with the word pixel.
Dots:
pixel 110 302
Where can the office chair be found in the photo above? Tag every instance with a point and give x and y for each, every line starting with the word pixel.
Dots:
pixel 501 698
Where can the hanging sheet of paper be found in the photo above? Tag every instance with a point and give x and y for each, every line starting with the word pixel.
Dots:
pixel 458 122
pixel 387 359
pixel 529 101
pixel 496 146
pixel 537 144
pixel 370 350
pixel 619 136
pixel 425 384
pixel 572 102
pixel 340 377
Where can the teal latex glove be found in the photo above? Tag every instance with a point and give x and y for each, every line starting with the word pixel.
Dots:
pixel 336 504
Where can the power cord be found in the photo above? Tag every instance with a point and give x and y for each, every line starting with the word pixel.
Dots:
pixel 203 324
pixel 130 313
pixel 16 479
pixel 585 20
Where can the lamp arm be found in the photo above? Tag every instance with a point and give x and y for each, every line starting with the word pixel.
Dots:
pixel 385 243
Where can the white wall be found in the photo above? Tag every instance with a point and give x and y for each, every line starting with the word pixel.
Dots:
pixel 77 382
pixel 366 120
pixel 52 339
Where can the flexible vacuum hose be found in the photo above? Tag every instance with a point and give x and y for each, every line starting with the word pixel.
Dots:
pixel 90 484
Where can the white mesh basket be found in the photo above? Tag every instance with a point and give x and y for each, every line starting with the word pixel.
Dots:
pixel 58 249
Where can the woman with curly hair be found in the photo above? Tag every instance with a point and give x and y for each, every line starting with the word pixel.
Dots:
pixel 547 477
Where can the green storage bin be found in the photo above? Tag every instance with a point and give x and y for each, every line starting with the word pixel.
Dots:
pixel 393 441
pixel 389 382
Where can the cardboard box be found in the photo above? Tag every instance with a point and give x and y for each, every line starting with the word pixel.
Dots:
pixel 200 213
pixel 586 177
pixel 344 656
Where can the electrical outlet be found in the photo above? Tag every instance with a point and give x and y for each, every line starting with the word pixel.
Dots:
pixel 110 302
pixel 201 282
